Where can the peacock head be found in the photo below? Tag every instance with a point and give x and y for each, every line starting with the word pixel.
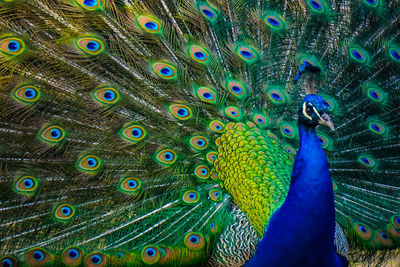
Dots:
pixel 313 112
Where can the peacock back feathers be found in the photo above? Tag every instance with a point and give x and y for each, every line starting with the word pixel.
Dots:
pixel 131 130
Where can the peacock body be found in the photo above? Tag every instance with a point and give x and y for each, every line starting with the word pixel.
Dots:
pixel 164 132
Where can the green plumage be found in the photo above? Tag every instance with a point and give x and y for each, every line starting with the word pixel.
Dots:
pixel 117 117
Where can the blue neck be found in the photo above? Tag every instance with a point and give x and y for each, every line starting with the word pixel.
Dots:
pixel 301 231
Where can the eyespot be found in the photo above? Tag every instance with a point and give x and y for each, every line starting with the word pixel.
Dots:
pixel 26 94
pixel 64 212
pixel 96 259
pixel 260 120
pixel 208 12
pixel 371 3
pixel 217 126
pixel 276 95
pixel 199 54
pixel 287 131
pixel 198 142
pixel 334 186
pixel 202 172
pixel 367 161
pixel 215 195
pixel 358 54
pixel 164 70
pixel 36 256
pixel 394 53
pixel 72 256
pixel 375 94
pixel 25 185
pixel 272 136
pixel 395 220
pixel 207 94
pixel 214 227
pixel 246 53
pixel 52 134
pixel 12 46
pixel 289 149
pixel 317 6
pixel 106 96
pixel 194 241
pixel 274 21
pixel 237 89
pixel 90 45
pixel 133 133
pixel 90 5
pixel 383 239
pixel 150 254
pixel 377 127
pixel 363 231
pixel 149 24
pixel 324 141
pixel 89 163
pixel 180 111
pixel 8 261
pixel 211 157
pixel 232 112
pixel 166 156
pixel 130 185
pixel 191 197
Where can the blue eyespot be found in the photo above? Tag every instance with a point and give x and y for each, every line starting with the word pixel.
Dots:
pixel 90 3
pixel 38 255
pixel 194 239
pixel 233 113
pixel 218 127
pixel 286 130
pixel 357 55
pixel 73 253
pixel 109 95
pixel 276 97
pixel 376 128
pixel 246 54
pixel 199 55
pixel 29 93
pixel 214 157
pixel 136 132
pixel 151 26
pixel 91 162
pixel 192 195
pixel 28 183
pixel 96 259
pixel 384 236
pixel 236 89
pixel 6 263
pixel 373 94
pixel 363 229
pixel 315 5
pixel 132 184
pixel 66 211
pixel 273 22
pixel 208 13
pixel 182 112
pixel 207 96
pixel 55 133
pixel 200 142
pixel 150 252
pixel 396 54
pixel 166 71
pixel 204 171
pixel 13 46
pixel 92 46
pixel 120 255
pixel 168 156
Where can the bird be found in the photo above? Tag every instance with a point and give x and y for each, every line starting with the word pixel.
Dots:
pixel 310 192
pixel 164 132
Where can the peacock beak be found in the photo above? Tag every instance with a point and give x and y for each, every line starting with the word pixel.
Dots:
pixel 326 120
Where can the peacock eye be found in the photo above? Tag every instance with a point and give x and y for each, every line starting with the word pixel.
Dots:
pixel 309 111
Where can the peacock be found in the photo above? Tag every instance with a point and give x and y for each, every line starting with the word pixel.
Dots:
pixel 164 132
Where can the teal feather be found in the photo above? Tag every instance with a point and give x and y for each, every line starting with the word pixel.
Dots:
pixel 102 101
